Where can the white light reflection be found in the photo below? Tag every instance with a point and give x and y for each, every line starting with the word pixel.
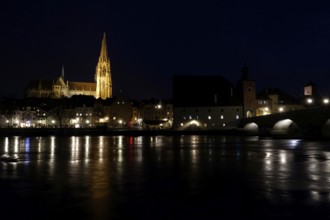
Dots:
pixel 101 146
pixel 138 141
pixel 268 162
pixel 153 141
pixel 39 148
pixel 293 144
pixel 314 177
pixel 268 143
pixel 315 195
pixel 16 144
pixel 6 150
pixel 27 144
pixel 193 156
pixel 87 147
pixel 120 155
pixel 52 147
pixel 283 157
pixel 74 149
pixel 27 148
pixel 52 156
pixel 120 142
pixel 139 155
pixel 194 141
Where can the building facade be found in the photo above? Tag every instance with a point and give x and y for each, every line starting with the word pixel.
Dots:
pixel 60 88
pixel 205 102
pixel 274 100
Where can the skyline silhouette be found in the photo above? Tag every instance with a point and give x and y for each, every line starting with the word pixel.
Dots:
pixel 284 44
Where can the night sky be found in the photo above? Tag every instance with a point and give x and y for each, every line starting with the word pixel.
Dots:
pixel 285 44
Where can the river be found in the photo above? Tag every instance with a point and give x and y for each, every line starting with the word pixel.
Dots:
pixel 164 177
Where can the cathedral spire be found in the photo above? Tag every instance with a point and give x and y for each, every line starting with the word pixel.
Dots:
pixel 104 51
pixel 103 73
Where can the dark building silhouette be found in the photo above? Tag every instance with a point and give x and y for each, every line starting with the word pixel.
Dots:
pixel 200 90
pixel 204 102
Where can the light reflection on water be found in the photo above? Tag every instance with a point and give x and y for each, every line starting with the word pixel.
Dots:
pixel 101 176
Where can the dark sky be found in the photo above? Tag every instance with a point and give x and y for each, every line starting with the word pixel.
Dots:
pixel 285 44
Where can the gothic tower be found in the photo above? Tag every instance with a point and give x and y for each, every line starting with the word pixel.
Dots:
pixel 103 73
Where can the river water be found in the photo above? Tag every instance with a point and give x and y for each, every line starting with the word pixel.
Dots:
pixel 164 177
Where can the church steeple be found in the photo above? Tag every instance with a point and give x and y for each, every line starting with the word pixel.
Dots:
pixel 103 73
pixel 104 51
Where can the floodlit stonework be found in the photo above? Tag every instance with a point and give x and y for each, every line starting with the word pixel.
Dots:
pixel 60 88
pixel 103 74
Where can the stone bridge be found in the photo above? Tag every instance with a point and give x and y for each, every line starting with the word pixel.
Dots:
pixel 311 122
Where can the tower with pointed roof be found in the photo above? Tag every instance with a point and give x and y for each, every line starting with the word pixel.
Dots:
pixel 103 73
pixel 59 88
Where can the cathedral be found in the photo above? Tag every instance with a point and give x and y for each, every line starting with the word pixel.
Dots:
pixel 60 88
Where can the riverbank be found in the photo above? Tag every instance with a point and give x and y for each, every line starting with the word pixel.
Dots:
pixel 6 132
pixel 108 131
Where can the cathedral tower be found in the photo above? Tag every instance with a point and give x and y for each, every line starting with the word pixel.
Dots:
pixel 103 73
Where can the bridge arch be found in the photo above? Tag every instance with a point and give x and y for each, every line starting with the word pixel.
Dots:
pixel 286 127
pixel 251 127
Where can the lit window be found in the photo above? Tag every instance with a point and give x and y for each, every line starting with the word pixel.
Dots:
pixel 309 101
pixel 223 124
pixel 221 116
pixel 326 101
pixel 189 116
pixel 237 116
pixel 209 117
pixel 281 109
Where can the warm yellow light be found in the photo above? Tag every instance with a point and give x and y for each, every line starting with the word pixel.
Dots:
pixel 281 109
pixel 194 122
pixel 326 101
pixel 309 101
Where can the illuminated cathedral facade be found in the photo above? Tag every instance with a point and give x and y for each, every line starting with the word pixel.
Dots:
pixel 60 88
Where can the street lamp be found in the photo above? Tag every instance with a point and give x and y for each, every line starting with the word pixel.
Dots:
pixel 309 100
